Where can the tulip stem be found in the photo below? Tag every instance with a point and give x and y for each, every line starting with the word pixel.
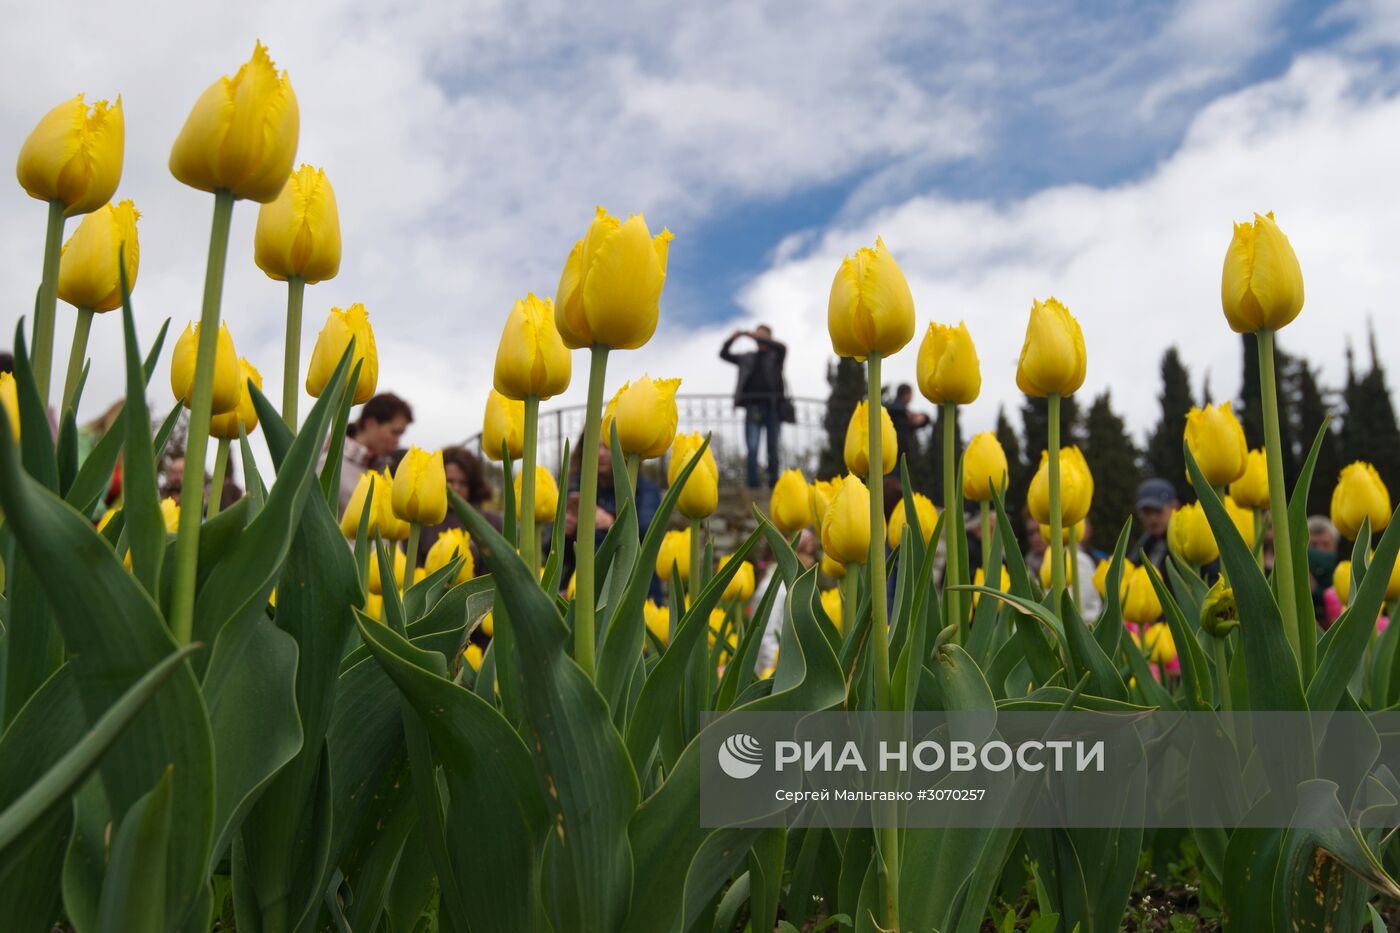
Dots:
pixel 410 565
pixel 526 525
pixel 1222 671
pixel 850 595
pixel 1073 555
pixel 1300 639
pixel 216 485
pixel 634 470
pixel 291 359
pixel 987 543
pixel 46 310
pixel 587 508
pixel 1257 545
pixel 951 575
pixel 77 356
pixel 197 442
pixel 692 587
pixel 1057 545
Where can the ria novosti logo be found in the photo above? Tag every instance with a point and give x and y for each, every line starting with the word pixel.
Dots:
pixel 740 756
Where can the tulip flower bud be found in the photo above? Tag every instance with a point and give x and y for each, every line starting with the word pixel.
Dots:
pixel 9 398
pixel 1216 442
pixel 947 368
pixel 658 621
pixel 871 309
pixel 376 585
pixel 928 517
pixel 342 327
pixel 503 423
pixel 831 605
pixel 858 441
pixel 354 509
pixel 1360 494
pixel 488 627
pixel 1047 568
pixel 1158 645
pixel 1141 604
pixel 1075 530
pixel 741 586
pixel 1392 586
pixel 1251 490
pixel 1341 581
pixel 472 656
pixel 1219 614
pixel 1053 358
pixel 1189 536
pixel 298 232
pixel 1101 578
pixel 790 508
pixel 823 491
pixel 228 381
pixel 89 274
pixel 701 493
pixel 984 467
pixel 717 625
pixel 74 155
pixel 451 543
pixel 1261 287
pixel 420 488
pixel 391 527
pixel 546 495
pixel 846 525
pixel 241 135
pixel 531 359
pixel 980 579
pixel 610 290
pixel 226 425
pixel 646 417
pixel 1244 521
pixel 1076 488
pixel 170 514
pixel 674 552
pixel 832 567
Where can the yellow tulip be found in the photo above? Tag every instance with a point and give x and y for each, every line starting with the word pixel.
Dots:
pixel 1392 586
pixel 1053 357
pixel 823 491
pixel 717 625
pixel 420 487
pixel 947 368
pixel 546 495
pixel 170 513
pixel 742 585
pixel 1101 578
pixel 473 656
pixel 1251 490
pixel 674 552
pixel 1157 641
pixel 391 527
pixel 658 621
pixel 89 275
pixel 503 423
pixel 376 585
pixel 1077 530
pixel 74 155
pixel 1076 488
pixel 1360 494
pixel 228 381
pixel 831 605
pixel 858 441
pixel 226 425
pixel 984 467
pixel 488 625
pixel 1261 287
pixel 646 417
pixel 1141 604
pixel 342 327
pixel 451 543
pixel 871 309
pixel 354 509
pixel 846 525
pixel 1220 615
pixel 833 568
pixel 1047 569
pixel 610 290
pixel 980 579
pixel 1216 441
pixel 928 517
pixel 374 606
pixel 1341 581
pixel 531 359
pixel 9 397
pixel 790 507
pixel 1189 536
pixel 700 495
pixel 298 232
pixel 1243 519
pixel 241 135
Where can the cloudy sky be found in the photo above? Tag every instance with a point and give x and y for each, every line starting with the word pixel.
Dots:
pixel 1097 152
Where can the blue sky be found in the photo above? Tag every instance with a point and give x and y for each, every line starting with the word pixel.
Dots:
pixel 1005 151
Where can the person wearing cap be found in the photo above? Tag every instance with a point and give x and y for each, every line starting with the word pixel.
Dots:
pixel 1156 501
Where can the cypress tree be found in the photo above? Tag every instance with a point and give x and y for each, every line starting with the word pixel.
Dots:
pixel 847 380
pixel 1164 455
pixel 1113 460
pixel 1369 428
pixel 1312 411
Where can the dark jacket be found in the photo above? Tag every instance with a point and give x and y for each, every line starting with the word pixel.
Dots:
pixel 760 372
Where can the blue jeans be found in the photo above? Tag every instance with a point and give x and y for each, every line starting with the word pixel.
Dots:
pixel 762 417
